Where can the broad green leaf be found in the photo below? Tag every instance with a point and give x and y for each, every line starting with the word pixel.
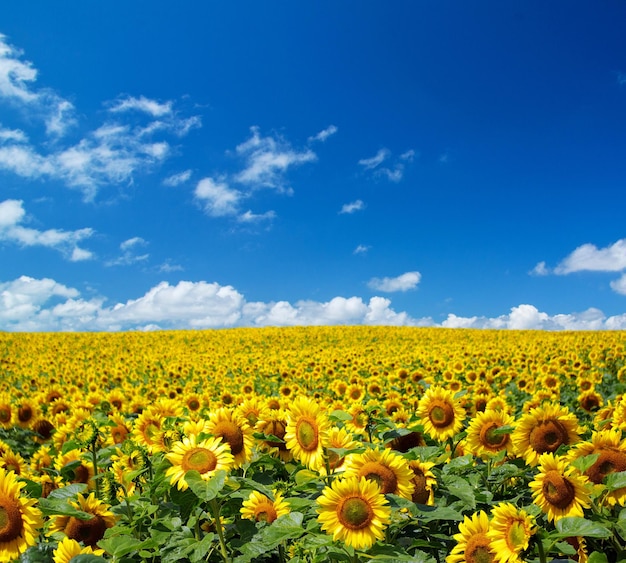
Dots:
pixel 88 558
pixel 585 462
pixel 118 546
pixel 461 489
pixel 305 476
pixel 598 557
pixel 431 513
pixel 206 490
pixel 575 526
pixel 60 507
pixel 340 415
pixel 615 480
pixel 70 491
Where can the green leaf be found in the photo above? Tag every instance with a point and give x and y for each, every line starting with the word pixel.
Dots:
pixel 598 557
pixel 206 490
pixel 118 546
pixel 305 476
pixel 340 415
pixel 87 558
pixel 615 480
pixel 59 507
pixel 380 552
pixel 576 526
pixel 67 492
pixel 430 513
pixel 461 489
pixel 585 462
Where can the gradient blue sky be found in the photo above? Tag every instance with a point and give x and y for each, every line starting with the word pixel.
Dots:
pixel 205 164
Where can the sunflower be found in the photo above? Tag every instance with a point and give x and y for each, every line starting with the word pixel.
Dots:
pixel 273 422
pixel 147 430
pixel 611 451
pixel 483 437
pixel 6 411
pixel 357 425
pixel 544 429
pixel 306 434
pixel 472 543
pixel 510 531
pixel 20 519
pixel 440 414
pixel 234 429
pixel 558 490
pixel 260 508
pixel 206 457
pixel 13 461
pixel 390 471
pixel 354 511
pixel 75 468
pixel 338 438
pixel 424 481
pixel 90 531
pixel 68 548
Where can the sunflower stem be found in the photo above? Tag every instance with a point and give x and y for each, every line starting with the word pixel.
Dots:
pixel 94 458
pixel 281 553
pixel 215 508
pixel 542 552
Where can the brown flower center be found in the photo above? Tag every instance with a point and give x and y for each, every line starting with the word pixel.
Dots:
pixel 477 549
pixel 609 461
pixel 405 443
pixel 118 434
pixel 265 512
pixel 44 428
pixel 441 414
pixel 275 428
pixel 307 434
pixel 11 524
pixel 24 413
pixel 354 513
pixel 90 532
pixel 490 439
pixel 200 460
pixel 421 494
pixel 557 490
pixel 385 477
pixel 193 404
pixel 547 436
pixel 5 414
pixel 231 433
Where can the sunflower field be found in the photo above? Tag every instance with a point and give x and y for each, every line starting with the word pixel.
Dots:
pixel 313 444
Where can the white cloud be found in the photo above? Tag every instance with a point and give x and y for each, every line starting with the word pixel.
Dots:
pixel 403 282
pixel 353 206
pixel 129 255
pixel 528 317
pixel 589 257
pixel 167 266
pixel 15 75
pixel 619 285
pixel 177 179
pixel 142 104
pixel 540 270
pixel 361 249
pixel 249 217
pixel 374 161
pixel 113 153
pixel 28 304
pixel 217 198
pixel 393 173
pixel 324 134
pixel 267 160
pixel 12 214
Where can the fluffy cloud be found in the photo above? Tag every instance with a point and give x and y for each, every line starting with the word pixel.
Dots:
pixel 403 282
pixel 12 215
pixel 361 249
pixel 353 206
pixel 619 285
pixel 217 198
pixel 540 270
pixel 267 160
pixel 112 153
pixel 591 258
pixel 28 304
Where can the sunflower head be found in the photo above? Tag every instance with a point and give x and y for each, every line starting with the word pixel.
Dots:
pixel 354 511
pixel 260 508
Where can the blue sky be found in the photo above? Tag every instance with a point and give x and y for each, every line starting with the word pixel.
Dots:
pixel 201 165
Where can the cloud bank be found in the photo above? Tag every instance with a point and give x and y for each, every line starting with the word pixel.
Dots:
pixel 28 304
